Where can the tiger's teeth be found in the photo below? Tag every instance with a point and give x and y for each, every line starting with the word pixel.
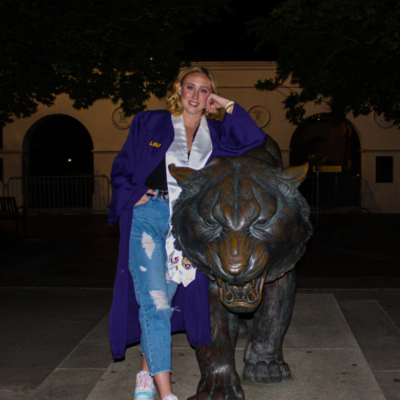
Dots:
pixel 254 282
pixel 219 281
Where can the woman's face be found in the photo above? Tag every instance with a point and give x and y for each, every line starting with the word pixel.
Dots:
pixel 194 90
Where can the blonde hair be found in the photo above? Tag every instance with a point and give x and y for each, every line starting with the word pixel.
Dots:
pixel 174 105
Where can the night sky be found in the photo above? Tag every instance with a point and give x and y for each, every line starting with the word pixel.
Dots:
pixel 228 40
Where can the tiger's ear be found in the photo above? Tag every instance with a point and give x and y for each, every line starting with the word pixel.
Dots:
pixel 293 176
pixel 183 174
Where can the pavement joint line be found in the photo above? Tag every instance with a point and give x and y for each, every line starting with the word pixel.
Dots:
pixel 340 311
pixel 73 369
pixel 387 315
pixel 385 370
pixel 80 369
pixel 17 391
pixel 83 339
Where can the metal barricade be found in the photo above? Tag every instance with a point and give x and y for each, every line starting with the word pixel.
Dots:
pixel 61 194
pixel 331 189
pixel 3 192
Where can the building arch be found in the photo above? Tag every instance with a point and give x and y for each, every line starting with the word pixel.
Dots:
pixel 320 135
pixel 57 145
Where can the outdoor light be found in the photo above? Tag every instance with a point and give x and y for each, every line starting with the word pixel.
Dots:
pixel 69 160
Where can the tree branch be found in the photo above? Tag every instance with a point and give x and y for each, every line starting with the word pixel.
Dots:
pixel 336 51
pixel 11 81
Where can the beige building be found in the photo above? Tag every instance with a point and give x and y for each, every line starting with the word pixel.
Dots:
pixel 379 142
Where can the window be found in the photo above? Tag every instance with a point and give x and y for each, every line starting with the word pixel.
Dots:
pixel 384 169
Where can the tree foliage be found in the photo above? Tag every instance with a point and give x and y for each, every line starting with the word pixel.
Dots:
pixel 346 53
pixel 97 49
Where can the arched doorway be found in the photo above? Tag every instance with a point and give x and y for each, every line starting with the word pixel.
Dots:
pixel 58 145
pixel 58 164
pixel 324 142
pixel 322 137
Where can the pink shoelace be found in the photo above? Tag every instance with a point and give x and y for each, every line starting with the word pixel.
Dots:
pixel 145 381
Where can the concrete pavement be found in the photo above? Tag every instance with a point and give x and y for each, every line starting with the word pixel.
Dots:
pixel 340 345
pixel 56 288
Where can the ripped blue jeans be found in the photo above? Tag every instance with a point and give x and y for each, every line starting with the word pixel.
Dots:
pixel 153 287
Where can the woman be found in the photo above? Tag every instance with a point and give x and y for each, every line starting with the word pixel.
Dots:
pixel 143 196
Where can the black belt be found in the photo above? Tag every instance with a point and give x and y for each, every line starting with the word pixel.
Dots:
pixel 161 194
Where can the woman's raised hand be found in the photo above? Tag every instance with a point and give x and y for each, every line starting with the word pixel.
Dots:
pixel 214 101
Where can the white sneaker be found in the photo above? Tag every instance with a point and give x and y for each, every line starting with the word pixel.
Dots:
pixel 144 386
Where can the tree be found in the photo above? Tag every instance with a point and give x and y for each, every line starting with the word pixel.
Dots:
pixel 346 53
pixel 123 50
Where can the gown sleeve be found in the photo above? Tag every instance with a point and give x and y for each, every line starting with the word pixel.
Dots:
pixel 237 134
pixel 127 185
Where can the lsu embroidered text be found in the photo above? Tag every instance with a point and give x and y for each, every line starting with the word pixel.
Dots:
pixel 155 144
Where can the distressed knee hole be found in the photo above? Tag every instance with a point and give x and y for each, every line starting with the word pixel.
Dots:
pixel 159 299
pixel 148 244
pixel 143 269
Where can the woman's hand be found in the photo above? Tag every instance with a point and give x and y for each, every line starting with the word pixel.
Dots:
pixel 214 101
pixel 144 198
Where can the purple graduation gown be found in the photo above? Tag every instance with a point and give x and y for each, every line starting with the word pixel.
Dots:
pixel 234 136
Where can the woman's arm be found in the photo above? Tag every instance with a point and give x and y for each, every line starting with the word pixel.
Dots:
pixel 138 158
pixel 127 190
pixel 236 134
